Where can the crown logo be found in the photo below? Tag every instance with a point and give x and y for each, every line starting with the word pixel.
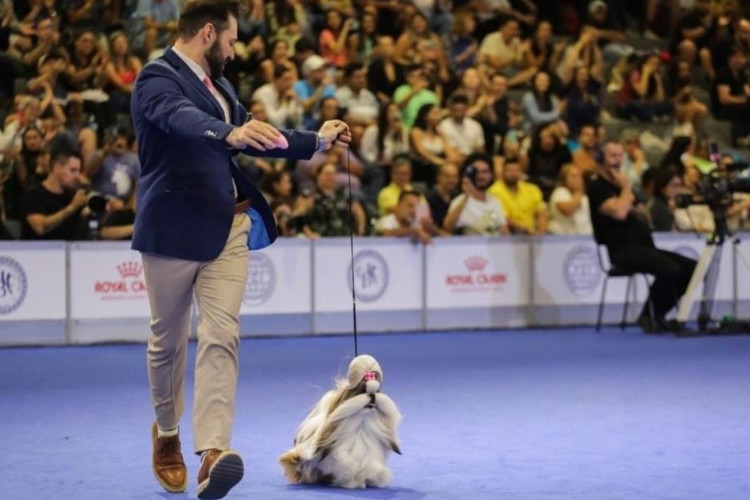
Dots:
pixel 476 263
pixel 130 269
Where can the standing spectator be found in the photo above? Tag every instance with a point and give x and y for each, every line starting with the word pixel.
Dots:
pixel 440 196
pixel 359 103
pixel 114 170
pixel 333 37
pixel 52 210
pixel 475 212
pixel 411 96
pixel 159 19
pixel 330 214
pixel 642 97
pixel 385 140
pixel 405 221
pixel 120 72
pixel 540 105
pixel 384 74
pixel 316 86
pixel 283 108
pixel 569 205
pixel 461 132
pixel 588 146
pixel 429 147
pixel 522 201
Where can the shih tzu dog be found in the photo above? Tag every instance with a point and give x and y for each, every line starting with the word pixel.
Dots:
pixel 347 436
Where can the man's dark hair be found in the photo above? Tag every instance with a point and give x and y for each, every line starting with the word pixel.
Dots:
pixel 475 157
pixel 280 71
pixel 304 44
pixel 62 157
pixel 586 125
pixel 407 192
pixel 352 68
pixel 459 98
pixel 511 160
pixel 197 13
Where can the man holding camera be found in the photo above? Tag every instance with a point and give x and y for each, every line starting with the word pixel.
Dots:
pixel 619 225
pixel 53 209
pixel 475 212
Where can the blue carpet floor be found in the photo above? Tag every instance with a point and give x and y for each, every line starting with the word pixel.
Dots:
pixel 554 414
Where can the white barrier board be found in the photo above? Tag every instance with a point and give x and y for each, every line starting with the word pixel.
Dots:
pixel 107 281
pixel 279 279
pixel 477 272
pixel 387 275
pixel 32 281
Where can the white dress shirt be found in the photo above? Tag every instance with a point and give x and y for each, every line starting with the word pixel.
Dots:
pixel 201 74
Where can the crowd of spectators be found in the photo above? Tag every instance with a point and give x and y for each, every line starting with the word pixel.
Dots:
pixel 467 116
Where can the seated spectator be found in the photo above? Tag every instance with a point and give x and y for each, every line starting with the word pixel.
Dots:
pixel 418 44
pixel 53 209
pixel 400 181
pixel 359 104
pixel 47 41
pixel 588 145
pixel 283 108
pixel 569 205
pixel 715 57
pixel 522 201
pixel 279 58
pixel 540 105
pixel 634 162
pixel 610 39
pixel 695 29
pixel 385 140
pixel 731 96
pixel 119 221
pixel 583 53
pixel 547 156
pixel 311 91
pixel 120 72
pixel 114 170
pixel 332 40
pixel 329 215
pixel 276 186
pixel 84 73
pixel 462 133
pixel 82 14
pixel 542 53
pixel 679 155
pixel 405 220
pixel 411 96
pixel 689 110
pixel 499 109
pixel 475 212
pixel 642 96
pixel 583 98
pixel 440 196
pixel 384 74
pixel 429 147
pixel 661 206
pixel 159 19
pixel 504 52
pixel 464 45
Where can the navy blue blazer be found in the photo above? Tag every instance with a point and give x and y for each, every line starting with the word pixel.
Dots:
pixel 185 193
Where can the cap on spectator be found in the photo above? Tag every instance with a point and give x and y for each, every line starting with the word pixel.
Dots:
pixel 596 5
pixel 312 63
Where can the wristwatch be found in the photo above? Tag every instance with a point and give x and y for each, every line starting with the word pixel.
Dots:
pixel 321 142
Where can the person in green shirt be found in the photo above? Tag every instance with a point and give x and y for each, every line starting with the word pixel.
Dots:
pixel 414 94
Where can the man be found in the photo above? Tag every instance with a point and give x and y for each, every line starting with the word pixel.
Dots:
pixel 619 226
pixel 462 132
pixel 415 94
pixel 504 52
pixel 731 95
pixel 360 105
pixel 313 89
pixel 585 156
pixel 282 105
pixel 404 220
pixel 114 170
pixel 193 228
pixel 52 210
pixel 440 196
pixel 715 57
pixel 522 201
pixel 475 212
pixel 400 181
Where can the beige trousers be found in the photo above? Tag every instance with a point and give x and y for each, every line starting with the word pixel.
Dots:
pixel 219 286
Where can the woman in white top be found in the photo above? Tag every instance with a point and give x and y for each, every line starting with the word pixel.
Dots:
pixel 388 138
pixel 569 205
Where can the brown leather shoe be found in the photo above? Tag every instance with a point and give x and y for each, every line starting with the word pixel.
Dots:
pixel 219 473
pixel 168 465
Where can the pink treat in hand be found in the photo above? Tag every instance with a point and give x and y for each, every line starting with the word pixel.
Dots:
pixel 281 142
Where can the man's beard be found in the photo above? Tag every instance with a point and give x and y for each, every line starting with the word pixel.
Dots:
pixel 215 60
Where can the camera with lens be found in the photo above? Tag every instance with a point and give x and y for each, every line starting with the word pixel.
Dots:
pixel 717 187
pixel 96 202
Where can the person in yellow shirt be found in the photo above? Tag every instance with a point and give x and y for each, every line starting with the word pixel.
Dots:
pixel 522 201
pixel 400 181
